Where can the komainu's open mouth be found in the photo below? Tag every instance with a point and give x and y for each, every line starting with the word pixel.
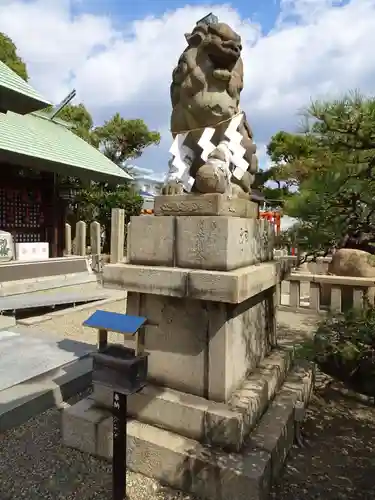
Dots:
pixel 225 55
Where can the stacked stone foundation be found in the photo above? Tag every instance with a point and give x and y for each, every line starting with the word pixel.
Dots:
pixel 217 418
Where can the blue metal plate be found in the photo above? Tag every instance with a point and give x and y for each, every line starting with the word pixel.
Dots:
pixel 115 322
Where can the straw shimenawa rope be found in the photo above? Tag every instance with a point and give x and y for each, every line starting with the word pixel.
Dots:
pixel 208 126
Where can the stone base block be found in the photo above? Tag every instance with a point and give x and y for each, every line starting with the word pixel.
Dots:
pixel 205 204
pixel 206 330
pixel 151 240
pixel 186 464
pixel 222 243
pixel 204 348
pixel 232 287
pixel 213 243
pixel 225 426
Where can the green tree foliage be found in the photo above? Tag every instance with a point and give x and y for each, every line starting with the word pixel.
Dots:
pixel 125 139
pixel 9 56
pixel 292 156
pixel 332 165
pixel 82 122
pixel 97 201
pixel 274 191
pixel 343 346
pixel 119 139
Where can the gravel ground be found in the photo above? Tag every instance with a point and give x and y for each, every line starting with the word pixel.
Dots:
pixel 34 465
pixel 33 462
pixel 338 462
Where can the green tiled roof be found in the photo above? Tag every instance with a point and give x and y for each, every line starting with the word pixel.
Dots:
pixel 37 142
pixel 17 95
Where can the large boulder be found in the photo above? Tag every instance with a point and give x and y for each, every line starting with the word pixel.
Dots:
pixel 355 263
pixel 350 262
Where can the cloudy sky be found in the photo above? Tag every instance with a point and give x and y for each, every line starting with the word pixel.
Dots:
pixel 119 55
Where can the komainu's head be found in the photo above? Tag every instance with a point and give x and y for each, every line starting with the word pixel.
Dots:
pixel 221 44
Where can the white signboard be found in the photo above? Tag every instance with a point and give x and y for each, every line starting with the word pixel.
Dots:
pixel 6 247
pixel 32 251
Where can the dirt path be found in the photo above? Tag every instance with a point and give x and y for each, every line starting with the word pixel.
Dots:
pixel 339 461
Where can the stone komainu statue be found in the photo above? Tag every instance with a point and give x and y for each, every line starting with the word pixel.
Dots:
pixel 205 92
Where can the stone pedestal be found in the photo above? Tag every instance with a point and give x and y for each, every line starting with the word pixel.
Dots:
pixel 205 204
pixel 207 285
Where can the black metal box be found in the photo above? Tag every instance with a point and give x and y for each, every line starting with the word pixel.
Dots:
pixel 118 368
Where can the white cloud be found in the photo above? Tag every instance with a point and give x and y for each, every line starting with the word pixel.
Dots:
pixel 317 48
pixel 305 10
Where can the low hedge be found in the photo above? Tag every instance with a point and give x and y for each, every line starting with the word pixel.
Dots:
pixel 343 346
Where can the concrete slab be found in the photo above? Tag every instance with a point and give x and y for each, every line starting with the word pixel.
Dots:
pixel 33 300
pixel 46 283
pixel 7 322
pixel 23 357
pixel 24 401
pixel 115 295
pixel 15 270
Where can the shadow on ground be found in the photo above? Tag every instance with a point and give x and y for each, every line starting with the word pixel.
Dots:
pixel 339 461
pixel 295 327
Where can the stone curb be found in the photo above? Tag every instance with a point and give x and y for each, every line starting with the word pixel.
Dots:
pixel 24 401
pixel 194 417
pixel 180 462
pixel 260 387
pixel 184 463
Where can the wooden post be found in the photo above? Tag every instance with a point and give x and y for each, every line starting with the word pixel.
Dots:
pixel 119 412
pixel 55 217
pixel 117 235
pixel 95 230
pixel 68 239
pixel 128 241
pixel 102 339
pixel 81 238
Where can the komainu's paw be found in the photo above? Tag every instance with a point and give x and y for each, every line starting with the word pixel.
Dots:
pixel 211 179
pixel 236 191
pixel 172 188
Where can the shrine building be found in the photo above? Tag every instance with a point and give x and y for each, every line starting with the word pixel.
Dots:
pixel 35 149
